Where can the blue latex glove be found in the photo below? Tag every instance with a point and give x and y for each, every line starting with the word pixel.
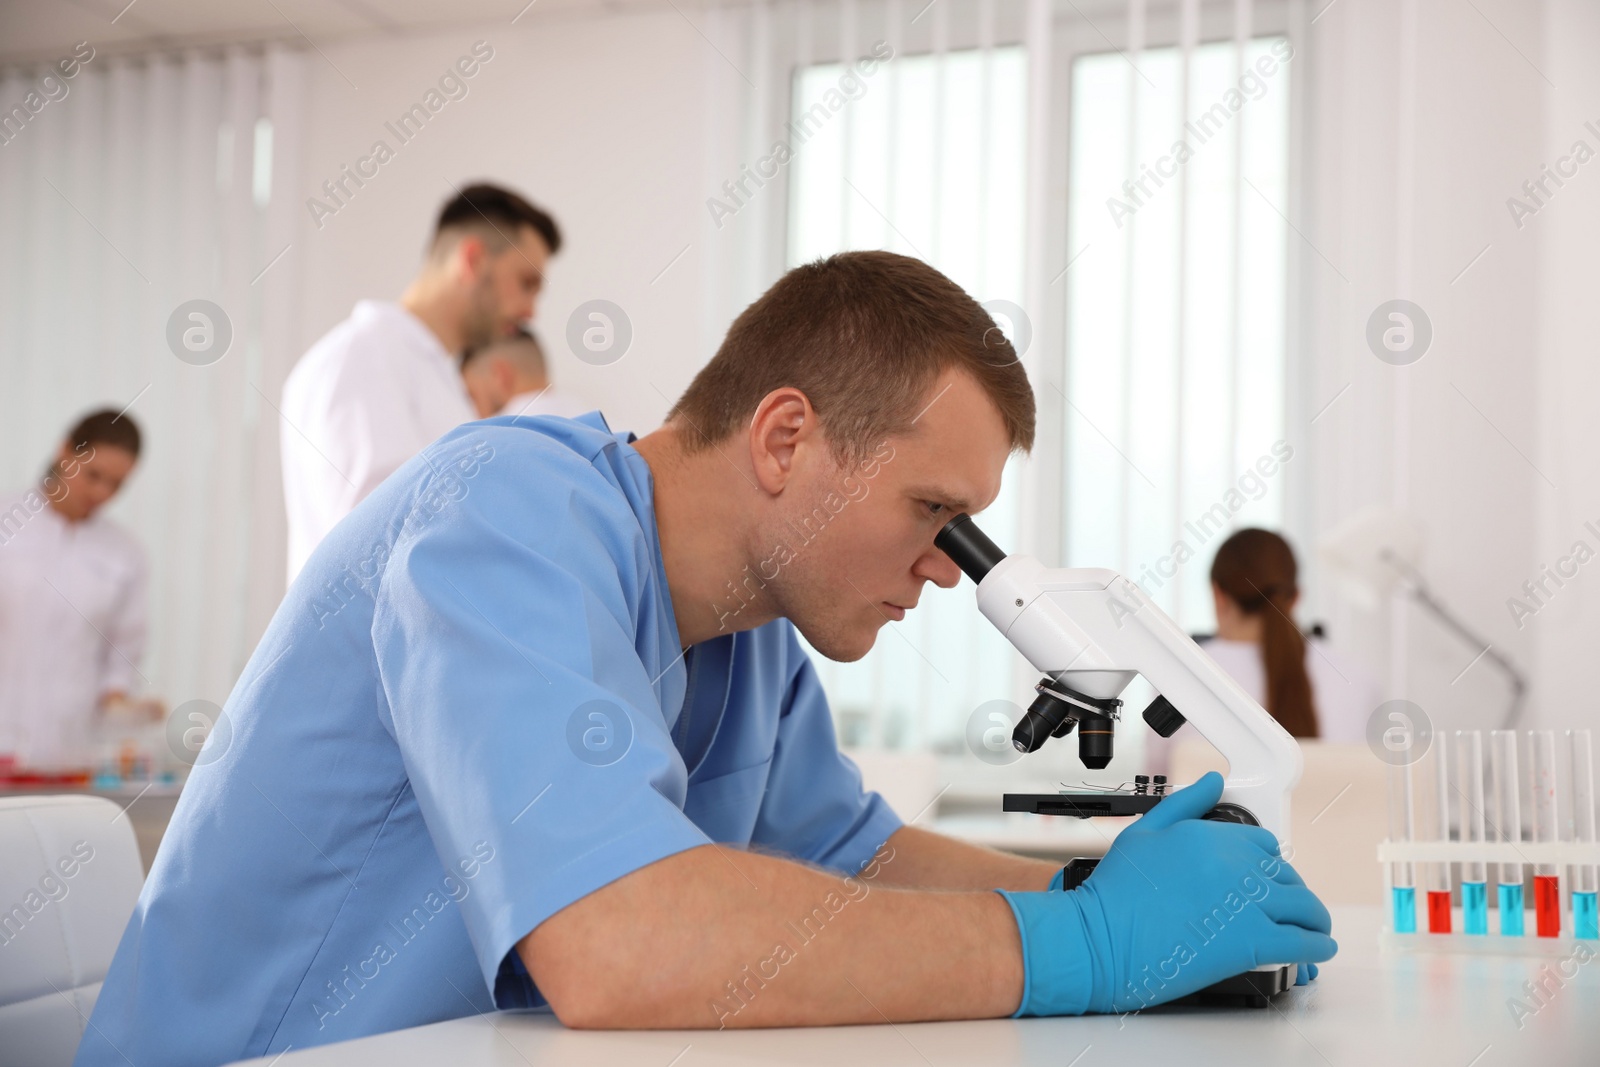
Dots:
pixel 1177 904
pixel 1303 973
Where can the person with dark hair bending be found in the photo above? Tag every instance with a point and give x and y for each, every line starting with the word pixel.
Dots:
pixel 510 376
pixel 386 382
pixel 1302 683
pixel 72 599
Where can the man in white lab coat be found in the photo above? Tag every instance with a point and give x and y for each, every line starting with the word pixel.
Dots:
pixel 72 600
pixel 509 376
pixel 386 382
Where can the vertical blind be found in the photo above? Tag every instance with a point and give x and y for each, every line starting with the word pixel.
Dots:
pixel 1030 152
pixel 149 184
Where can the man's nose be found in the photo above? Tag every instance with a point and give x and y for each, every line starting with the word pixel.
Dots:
pixel 938 568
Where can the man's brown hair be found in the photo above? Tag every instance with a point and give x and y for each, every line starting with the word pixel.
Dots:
pixel 863 335
pixel 495 214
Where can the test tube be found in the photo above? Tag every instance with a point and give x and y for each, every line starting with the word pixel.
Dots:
pixel 1439 873
pixel 1508 829
pixel 1403 891
pixel 1585 916
pixel 1546 830
pixel 1474 873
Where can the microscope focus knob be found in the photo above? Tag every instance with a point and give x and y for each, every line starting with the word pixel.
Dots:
pixel 1163 718
pixel 1226 812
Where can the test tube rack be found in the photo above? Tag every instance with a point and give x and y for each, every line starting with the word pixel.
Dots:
pixel 1565 855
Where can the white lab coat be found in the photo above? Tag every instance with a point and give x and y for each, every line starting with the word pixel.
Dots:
pixel 72 626
pixel 1344 695
pixel 549 401
pixel 373 392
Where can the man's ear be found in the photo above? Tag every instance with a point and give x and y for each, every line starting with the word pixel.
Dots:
pixel 783 432
pixel 472 257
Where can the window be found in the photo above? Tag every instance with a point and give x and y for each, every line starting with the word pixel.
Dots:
pixel 928 162
pixel 1170 415
pixel 1176 308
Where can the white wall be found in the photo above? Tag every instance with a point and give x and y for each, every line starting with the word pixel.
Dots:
pixel 1423 119
pixel 1566 234
pixel 601 122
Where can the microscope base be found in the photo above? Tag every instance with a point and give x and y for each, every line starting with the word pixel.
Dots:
pixel 1252 989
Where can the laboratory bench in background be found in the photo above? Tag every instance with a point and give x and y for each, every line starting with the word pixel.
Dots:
pixel 147 806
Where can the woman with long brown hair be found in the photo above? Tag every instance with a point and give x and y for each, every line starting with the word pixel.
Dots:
pixel 1255 583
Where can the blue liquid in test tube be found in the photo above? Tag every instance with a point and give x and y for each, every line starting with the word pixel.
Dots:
pixel 1403 892
pixel 1474 874
pixel 1585 915
pixel 1508 815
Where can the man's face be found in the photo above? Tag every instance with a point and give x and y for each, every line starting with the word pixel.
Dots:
pixel 488 379
pixel 506 288
pixel 84 480
pixel 850 547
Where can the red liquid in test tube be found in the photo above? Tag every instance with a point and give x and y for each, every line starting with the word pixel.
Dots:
pixel 1546 884
pixel 1547 905
pixel 1438 912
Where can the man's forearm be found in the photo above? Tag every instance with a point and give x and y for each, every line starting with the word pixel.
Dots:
pixel 718 937
pixel 926 860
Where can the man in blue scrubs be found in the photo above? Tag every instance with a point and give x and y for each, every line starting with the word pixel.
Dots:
pixel 533 728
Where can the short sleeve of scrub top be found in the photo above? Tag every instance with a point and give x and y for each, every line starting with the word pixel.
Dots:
pixel 531 720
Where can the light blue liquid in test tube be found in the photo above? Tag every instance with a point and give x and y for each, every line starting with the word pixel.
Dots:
pixel 1474 874
pixel 1508 816
pixel 1405 908
pixel 1585 915
pixel 1403 893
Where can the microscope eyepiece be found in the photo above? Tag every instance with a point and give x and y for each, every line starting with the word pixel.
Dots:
pixel 963 542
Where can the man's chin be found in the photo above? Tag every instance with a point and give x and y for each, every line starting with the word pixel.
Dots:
pixel 846 647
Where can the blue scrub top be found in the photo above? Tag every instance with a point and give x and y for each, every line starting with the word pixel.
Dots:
pixel 469 711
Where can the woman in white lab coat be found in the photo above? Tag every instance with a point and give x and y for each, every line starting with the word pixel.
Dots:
pixel 1306 686
pixel 72 600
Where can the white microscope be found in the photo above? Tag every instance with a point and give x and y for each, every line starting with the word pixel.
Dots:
pixel 1090 631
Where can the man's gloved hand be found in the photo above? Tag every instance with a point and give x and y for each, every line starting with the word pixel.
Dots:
pixel 1177 904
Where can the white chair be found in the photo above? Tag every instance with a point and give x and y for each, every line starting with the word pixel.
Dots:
pixel 69 878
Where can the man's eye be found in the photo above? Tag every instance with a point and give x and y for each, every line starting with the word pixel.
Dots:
pixel 933 509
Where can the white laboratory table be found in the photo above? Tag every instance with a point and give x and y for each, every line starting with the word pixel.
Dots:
pixel 1368 1008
